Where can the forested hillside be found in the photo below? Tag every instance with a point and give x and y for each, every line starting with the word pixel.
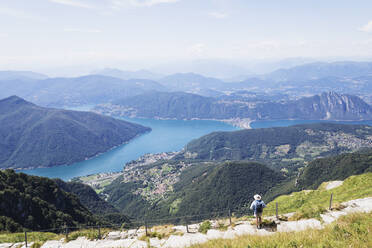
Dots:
pixel 95 204
pixel 200 188
pixel 37 203
pixel 33 136
pixel 335 168
pixel 281 147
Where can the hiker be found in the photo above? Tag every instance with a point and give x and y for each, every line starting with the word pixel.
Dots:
pixel 257 206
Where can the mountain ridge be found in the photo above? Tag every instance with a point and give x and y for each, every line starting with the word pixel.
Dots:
pixel 181 105
pixel 34 136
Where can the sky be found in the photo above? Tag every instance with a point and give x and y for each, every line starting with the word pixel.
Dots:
pixel 144 33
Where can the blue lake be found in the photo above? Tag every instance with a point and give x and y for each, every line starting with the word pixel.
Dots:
pixel 166 136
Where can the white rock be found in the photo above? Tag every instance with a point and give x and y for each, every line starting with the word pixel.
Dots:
pixel 6 245
pixel 294 226
pixel 139 244
pixel 52 244
pixel 245 229
pixel 175 241
pixel 333 184
pixel 155 242
pixel 180 229
pixel 125 243
pixel 113 235
pixel 229 234
pixel 215 234
pixel 186 240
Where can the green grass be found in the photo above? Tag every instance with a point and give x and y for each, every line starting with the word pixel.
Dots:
pixel 40 237
pixel 90 234
pixel 354 230
pixel 31 237
pixel 310 203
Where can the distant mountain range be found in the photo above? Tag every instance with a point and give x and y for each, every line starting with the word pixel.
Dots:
pixel 91 89
pixel 319 70
pixel 126 75
pixel 191 82
pixel 21 75
pixel 180 105
pixel 110 85
pixel 33 136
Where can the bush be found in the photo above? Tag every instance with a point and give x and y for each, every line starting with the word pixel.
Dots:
pixel 205 226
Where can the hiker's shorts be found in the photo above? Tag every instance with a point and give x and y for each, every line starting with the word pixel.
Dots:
pixel 258 214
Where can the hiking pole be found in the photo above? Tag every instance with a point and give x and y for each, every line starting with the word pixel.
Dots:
pixel 330 202
pixel 26 238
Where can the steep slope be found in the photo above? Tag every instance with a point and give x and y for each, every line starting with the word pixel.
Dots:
pixel 334 168
pixel 32 136
pixel 174 189
pixel 180 105
pixel 37 203
pixel 96 205
pixel 281 147
pixel 87 196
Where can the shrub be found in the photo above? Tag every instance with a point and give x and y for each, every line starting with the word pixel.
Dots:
pixel 205 226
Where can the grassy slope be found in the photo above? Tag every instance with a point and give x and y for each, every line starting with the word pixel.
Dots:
pixel 353 187
pixel 349 231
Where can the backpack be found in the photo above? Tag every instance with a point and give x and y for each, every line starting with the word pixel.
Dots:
pixel 259 206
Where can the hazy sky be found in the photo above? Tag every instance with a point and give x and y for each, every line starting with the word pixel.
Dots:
pixel 71 32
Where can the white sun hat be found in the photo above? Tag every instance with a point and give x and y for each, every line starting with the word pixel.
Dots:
pixel 257 197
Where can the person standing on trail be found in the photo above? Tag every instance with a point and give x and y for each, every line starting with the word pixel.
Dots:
pixel 257 206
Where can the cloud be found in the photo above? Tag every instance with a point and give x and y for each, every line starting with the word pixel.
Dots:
pixel 73 3
pixel 16 13
pixel 367 28
pixel 218 15
pixel 197 49
pixel 77 30
pixel 117 4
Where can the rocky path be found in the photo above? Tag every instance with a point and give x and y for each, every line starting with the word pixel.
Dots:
pixel 129 239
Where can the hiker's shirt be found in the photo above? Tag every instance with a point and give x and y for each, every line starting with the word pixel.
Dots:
pixel 254 205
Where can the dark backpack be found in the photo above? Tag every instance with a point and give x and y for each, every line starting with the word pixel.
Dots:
pixel 259 206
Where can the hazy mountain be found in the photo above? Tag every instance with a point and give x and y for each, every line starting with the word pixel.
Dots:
pixel 33 136
pixel 321 69
pixel 217 68
pixel 190 82
pixel 140 74
pixel 21 75
pixel 180 105
pixel 92 89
